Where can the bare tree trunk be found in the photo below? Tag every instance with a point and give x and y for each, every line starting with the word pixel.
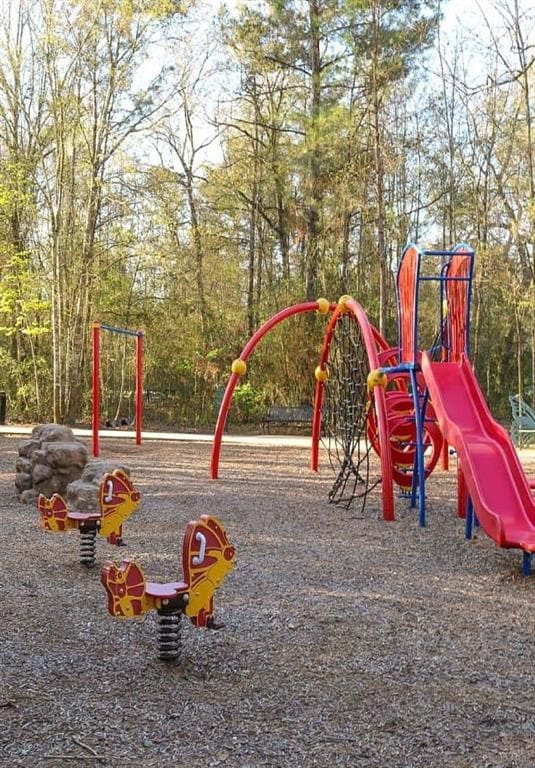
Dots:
pixel 199 255
pixel 345 256
pixel 315 196
pixel 522 48
pixel 379 167
pixel 252 265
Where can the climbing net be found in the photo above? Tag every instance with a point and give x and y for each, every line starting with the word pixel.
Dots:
pixel 344 415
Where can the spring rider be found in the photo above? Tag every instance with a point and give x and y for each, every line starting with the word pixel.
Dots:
pixel 117 500
pixel 207 557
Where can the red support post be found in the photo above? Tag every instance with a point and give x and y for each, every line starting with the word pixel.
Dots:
pixel 462 493
pixel 139 385
pixel 95 412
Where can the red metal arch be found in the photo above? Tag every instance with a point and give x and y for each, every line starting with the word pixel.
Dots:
pixel 374 347
pixel 308 306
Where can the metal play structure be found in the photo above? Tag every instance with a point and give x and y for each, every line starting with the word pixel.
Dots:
pixel 96 379
pixel 408 402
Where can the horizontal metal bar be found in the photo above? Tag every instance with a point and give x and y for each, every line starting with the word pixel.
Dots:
pixel 401 368
pixel 124 331
pixel 468 252
pixel 444 279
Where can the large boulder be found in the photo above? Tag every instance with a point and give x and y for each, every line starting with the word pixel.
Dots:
pixel 51 459
pixel 63 455
pixel 83 494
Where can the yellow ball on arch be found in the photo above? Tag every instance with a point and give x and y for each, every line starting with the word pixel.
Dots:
pixel 238 366
pixel 321 374
pixel 342 302
pixel 323 306
pixel 377 378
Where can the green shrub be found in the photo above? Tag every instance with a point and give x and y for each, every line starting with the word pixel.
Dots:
pixel 247 404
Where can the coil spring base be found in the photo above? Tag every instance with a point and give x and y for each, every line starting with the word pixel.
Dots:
pixel 169 638
pixel 88 546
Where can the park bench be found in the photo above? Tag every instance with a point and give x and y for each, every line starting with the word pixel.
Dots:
pixel 284 414
pixel 523 424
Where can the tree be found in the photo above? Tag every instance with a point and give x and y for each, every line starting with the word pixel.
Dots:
pixel 23 306
pixel 90 56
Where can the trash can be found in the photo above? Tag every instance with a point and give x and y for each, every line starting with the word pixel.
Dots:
pixel 3 401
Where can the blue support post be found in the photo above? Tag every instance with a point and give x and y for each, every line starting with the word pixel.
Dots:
pixel 526 563
pixel 419 449
pixel 413 494
pixel 469 520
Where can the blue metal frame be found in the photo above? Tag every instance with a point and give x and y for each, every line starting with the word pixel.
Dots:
pixel 469 520
pixel 418 476
pixel 420 400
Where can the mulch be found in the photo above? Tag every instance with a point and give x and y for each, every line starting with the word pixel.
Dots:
pixel 348 641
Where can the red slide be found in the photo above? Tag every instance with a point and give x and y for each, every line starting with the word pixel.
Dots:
pixel 496 482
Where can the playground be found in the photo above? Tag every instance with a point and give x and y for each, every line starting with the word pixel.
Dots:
pixel 348 641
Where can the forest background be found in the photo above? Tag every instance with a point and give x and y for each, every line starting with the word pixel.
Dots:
pixel 190 169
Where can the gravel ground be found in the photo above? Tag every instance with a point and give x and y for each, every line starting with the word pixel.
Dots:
pixel 348 641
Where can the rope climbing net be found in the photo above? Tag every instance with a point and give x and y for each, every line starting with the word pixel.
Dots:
pixel 345 415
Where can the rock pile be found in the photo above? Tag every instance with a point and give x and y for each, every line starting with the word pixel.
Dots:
pixel 50 460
